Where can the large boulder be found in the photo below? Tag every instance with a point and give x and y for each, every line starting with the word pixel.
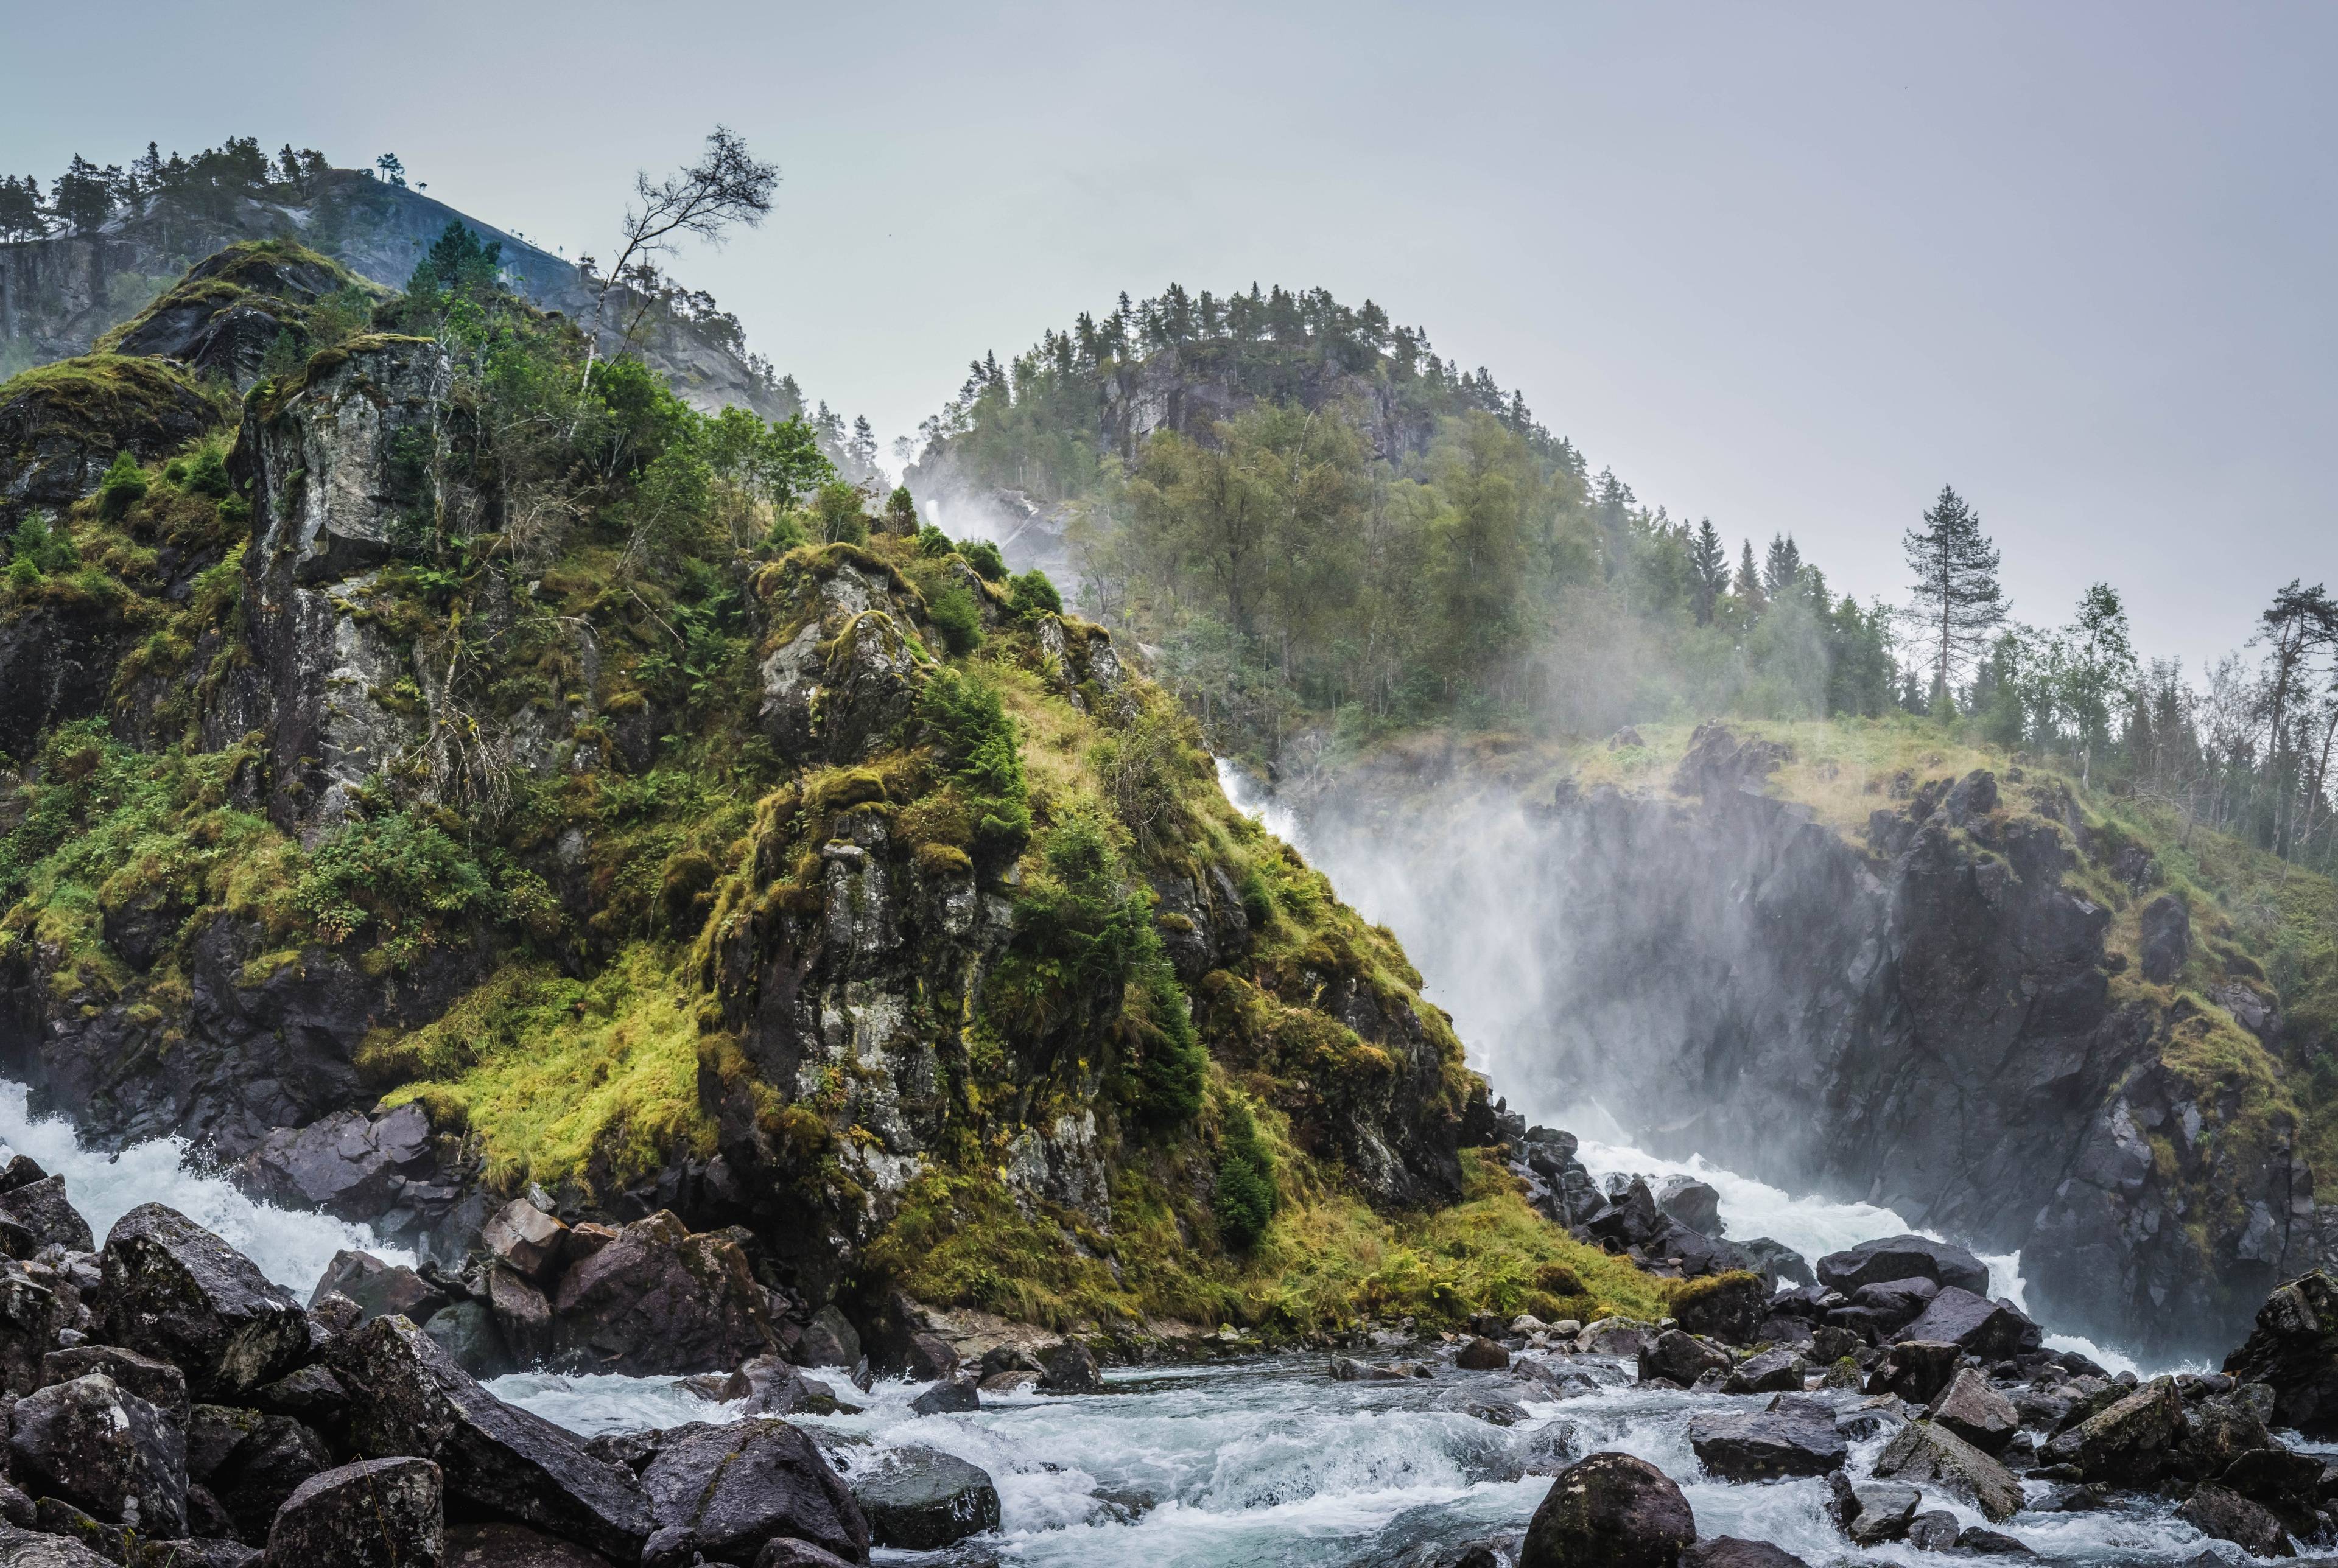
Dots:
pixel 1611 1510
pixel 1795 1435
pixel 735 1487
pixel 1693 1203
pixel 1926 1454
pixel 25 1549
pixel 1777 1262
pixel 528 1241
pixel 175 1291
pixel 271 1458
pixel 1976 1412
pixel 1071 1368
pixel 1903 1257
pixel 1728 1305
pixel 1915 1369
pixel 921 1500
pixel 1775 1371
pixel 2228 1516
pixel 1730 1551
pixel 346 1164
pixel 379 1288
pixel 103 1449
pixel 374 1514
pixel 2164 927
pixel 2294 1350
pixel 42 1209
pixel 1993 1331
pixel 1680 1358
pixel 2131 1443
pixel 159 1383
pixel 658 1299
pixel 409 1397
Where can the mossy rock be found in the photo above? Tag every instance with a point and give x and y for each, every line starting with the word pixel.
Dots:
pixel 62 425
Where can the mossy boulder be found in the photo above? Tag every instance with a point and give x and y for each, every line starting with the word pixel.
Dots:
pixel 62 425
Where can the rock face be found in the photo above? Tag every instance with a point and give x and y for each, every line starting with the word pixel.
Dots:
pixel 1610 1509
pixel 1923 1020
pixel 60 428
pixel 179 1293
pixel 2294 1350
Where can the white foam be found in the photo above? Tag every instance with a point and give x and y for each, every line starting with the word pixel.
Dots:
pixel 291 1247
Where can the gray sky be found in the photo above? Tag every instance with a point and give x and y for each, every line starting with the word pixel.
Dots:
pixel 1789 266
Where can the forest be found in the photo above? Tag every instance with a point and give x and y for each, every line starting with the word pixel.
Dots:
pixel 1357 535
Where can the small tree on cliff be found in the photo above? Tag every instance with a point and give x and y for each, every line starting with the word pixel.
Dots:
pixel 1958 601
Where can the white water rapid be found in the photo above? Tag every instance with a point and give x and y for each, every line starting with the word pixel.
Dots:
pixel 1262 1461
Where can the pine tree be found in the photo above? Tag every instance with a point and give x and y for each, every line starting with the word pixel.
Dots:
pixel 82 196
pixel 1710 558
pixel 1782 567
pixel 1958 599
pixel 1748 586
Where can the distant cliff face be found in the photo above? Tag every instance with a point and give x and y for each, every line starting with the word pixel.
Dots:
pixel 58 295
pixel 1931 1016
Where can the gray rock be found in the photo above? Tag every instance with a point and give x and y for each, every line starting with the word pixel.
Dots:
pixel 1929 1455
pixel 1481 1355
pixel 1874 1511
pixel 1779 1371
pixel 1778 1263
pixel 1993 1331
pixel 42 1209
pixel 1976 1412
pixel 378 1288
pixel 1729 1551
pixel 1903 1257
pixel 1609 1509
pixel 1693 1203
pixel 272 1456
pixel 2228 1516
pixel 1935 1530
pixel 158 1383
pixel 829 1340
pixel 374 1514
pixel 1986 1543
pixel 467 1332
pixel 178 1293
pixel 921 1500
pixel 1681 1357
pixel 525 1239
pixel 1916 1370
pixel 2128 1444
pixel 1071 1368
pixel 102 1448
pixel 345 1164
pixel 739 1485
pixel 951 1396
pixel 661 1299
pixel 21 1548
pixel 1795 1435
pixel 2165 928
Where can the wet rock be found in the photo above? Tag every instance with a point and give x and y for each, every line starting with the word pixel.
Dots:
pixel 1993 1331
pixel 2128 1444
pixel 526 1240
pixel 272 1458
pixel 467 1331
pixel 409 1397
pixel 2294 1350
pixel 1986 1543
pixel 952 1396
pixel 374 1514
pixel 21 1548
pixel 1729 1551
pixel 503 1545
pixel 1620 1336
pixel 1795 1435
pixel 2228 1517
pixel 1779 1371
pixel 1916 1370
pixel 792 1554
pixel 1681 1357
pixel 1613 1510
pixel 1872 1417
pixel 1481 1355
pixel 2285 1482
pixel 2216 1433
pixel 1894 1303
pixel 660 1299
pixel 345 1164
pixel 921 1500
pixel 378 1288
pixel 1976 1412
pixel 829 1340
pixel 2166 929
pixel 41 1207
pixel 158 1383
pixel 1903 1257
pixel 1778 1263
pixel 1726 1308
pixel 176 1292
pixel 1935 1530
pixel 1693 1203
pixel 312 1394
pixel 102 1448
pixel 1071 1368
pixel 1874 1512
pixel 1924 1455
pixel 775 1388
pixel 739 1485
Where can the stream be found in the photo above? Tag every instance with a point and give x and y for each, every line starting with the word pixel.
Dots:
pixel 1263 1460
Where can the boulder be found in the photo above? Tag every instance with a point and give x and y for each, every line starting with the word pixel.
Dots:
pixel 500 1543
pixel 176 1292
pixel 2214 1510
pixel 793 1553
pixel 41 1207
pixel 1795 1435
pixel 1071 1368
pixel 921 1500
pixel 1693 1203
pixel 272 1458
pixel 829 1340
pixel 1481 1355
pixel 344 1165
pixel 1729 1551
pixel 1980 1542
pixel 1903 1257
pixel 467 1332
pixel 525 1239
pixel 100 1447
pixel 2130 1443
pixel 1343 1369
pixel 658 1299
pixel 1916 1370
pixel 1924 1455
pixel 2164 927
pixel 1681 1357
pixel 2284 1481
pixel 23 1549
pixel 1777 1262
pixel 951 1396
pixel 523 1317
pixel 1726 1306
pixel 1612 1510
pixel 1935 1530
pixel 158 1383
pixel 374 1514
pixel 2294 1350
pixel 1976 1412
pixel 409 1397
pixel 1776 1371
pixel 1895 1302
pixel 737 1487
pixel 1993 1331
pixel 1874 1512
pixel 1619 1336
pixel 2216 1433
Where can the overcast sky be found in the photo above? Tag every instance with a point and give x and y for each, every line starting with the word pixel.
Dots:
pixel 1789 266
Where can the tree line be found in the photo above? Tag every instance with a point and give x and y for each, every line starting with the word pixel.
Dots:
pixel 86 197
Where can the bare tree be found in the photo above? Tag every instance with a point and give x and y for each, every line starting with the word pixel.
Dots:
pixel 725 187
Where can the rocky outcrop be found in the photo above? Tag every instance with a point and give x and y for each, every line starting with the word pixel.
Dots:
pixel 62 425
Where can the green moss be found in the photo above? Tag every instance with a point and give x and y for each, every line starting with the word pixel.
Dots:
pixel 103 399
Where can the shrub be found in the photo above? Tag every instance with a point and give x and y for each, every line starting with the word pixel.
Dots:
pixel 39 547
pixel 123 486
pixel 956 619
pixel 1163 1082
pixel 1245 1195
pixel 966 725
pixel 1031 595
pixel 984 557
pixel 207 474
pixel 398 878
pixel 837 508
pixel 900 511
pixel 933 543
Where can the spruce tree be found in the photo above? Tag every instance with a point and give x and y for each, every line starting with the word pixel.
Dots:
pixel 1710 559
pixel 1959 602
pixel 1748 586
pixel 1782 567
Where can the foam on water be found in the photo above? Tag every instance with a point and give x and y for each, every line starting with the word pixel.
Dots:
pixel 291 1247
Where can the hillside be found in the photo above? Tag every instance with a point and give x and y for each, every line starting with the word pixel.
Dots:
pixel 1864 958
pixel 601 778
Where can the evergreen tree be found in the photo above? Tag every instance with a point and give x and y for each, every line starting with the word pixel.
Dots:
pixel 21 216
pixel 1748 586
pixel 1783 565
pixel 1709 559
pixel 82 196
pixel 392 169
pixel 1958 599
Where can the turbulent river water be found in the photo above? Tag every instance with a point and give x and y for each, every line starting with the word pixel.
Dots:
pixel 1260 1461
